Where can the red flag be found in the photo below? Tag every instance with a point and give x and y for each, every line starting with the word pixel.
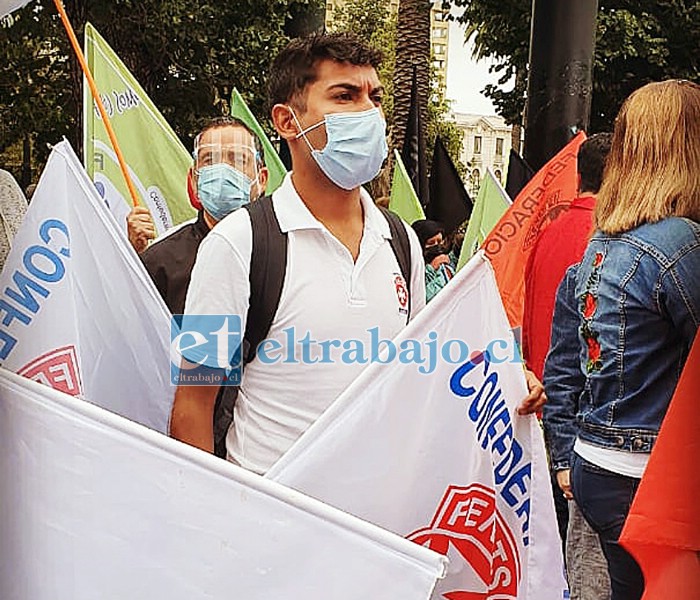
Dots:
pixel 510 242
pixel 662 530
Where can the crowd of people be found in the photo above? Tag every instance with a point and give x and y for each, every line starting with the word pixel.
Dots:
pixel 612 287
pixel 609 318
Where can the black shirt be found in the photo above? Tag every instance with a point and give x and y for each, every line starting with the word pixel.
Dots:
pixel 169 262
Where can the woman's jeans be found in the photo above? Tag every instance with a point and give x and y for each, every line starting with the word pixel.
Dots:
pixel 605 499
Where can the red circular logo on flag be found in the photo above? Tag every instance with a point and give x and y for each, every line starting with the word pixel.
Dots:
pixel 57 369
pixel 467 524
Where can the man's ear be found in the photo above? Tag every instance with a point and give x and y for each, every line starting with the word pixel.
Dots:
pixel 284 121
pixel 192 189
pixel 262 180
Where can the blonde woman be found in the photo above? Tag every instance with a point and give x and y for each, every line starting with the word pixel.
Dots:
pixel 626 316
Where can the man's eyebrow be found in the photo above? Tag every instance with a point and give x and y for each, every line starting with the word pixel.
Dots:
pixel 350 87
pixel 345 86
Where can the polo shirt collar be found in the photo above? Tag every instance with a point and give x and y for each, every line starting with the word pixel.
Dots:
pixel 293 214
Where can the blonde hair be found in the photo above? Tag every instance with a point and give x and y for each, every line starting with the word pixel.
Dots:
pixel 653 169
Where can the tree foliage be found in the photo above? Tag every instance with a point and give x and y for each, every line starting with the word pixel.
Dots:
pixel 637 41
pixel 187 56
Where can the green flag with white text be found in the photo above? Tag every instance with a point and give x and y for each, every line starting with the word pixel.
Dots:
pixel 491 202
pixel 403 199
pixel 156 158
pixel 275 167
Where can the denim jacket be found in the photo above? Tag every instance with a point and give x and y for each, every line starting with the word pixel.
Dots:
pixel 624 321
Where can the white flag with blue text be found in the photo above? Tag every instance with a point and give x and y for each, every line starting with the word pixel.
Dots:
pixel 78 312
pixel 430 447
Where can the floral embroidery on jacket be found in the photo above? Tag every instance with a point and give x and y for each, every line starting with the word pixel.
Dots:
pixel 589 305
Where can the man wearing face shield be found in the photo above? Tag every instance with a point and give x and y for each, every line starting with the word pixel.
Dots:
pixel 228 172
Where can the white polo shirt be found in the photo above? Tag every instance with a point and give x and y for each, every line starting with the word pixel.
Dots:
pixel 325 294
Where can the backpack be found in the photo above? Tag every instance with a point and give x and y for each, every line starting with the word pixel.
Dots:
pixel 268 264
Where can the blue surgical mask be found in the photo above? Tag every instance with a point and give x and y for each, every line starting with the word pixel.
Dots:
pixel 222 189
pixel 356 147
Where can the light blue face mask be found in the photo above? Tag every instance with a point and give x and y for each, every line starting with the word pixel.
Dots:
pixel 356 146
pixel 222 189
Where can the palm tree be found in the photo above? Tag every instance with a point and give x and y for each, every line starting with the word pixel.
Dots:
pixel 412 50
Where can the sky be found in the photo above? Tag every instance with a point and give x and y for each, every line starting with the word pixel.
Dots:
pixel 467 77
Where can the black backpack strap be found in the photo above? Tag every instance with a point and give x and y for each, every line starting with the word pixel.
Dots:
pixel 401 246
pixel 268 264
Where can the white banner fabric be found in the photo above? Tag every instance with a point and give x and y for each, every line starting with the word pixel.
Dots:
pixel 95 506
pixel 441 457
pixel 78 310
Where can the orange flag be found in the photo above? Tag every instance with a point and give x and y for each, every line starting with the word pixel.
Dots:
pixel 662 530
pixel 510 242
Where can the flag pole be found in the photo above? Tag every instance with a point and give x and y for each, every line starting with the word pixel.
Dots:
pixel 98 100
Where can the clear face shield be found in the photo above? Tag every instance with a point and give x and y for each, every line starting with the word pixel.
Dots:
pixel 232 146
pixel 227 170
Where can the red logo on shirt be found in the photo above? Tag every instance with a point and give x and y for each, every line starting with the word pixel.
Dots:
pixel 57 369
pixel 401 293
pixel 468 522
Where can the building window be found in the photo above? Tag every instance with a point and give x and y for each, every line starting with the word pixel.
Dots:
pixel 499 146
pixel 475 180
pixel 439 15
pixel 439 64
pixel 439 48
pixel 439 32
pixel 477 146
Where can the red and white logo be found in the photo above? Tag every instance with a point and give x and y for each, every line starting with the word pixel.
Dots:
pixel 57 369
pixel 401 293
pixel 484 558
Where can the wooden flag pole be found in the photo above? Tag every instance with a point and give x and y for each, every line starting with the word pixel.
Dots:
pixel 98 100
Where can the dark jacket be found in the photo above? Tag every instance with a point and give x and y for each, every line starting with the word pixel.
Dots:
pixel 170 260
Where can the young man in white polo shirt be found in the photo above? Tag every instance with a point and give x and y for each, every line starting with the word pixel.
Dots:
pixel 342 284
pixel 342 276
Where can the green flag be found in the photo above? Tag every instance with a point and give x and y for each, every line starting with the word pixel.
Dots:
pixel 275 167
pixel 157 160
pixel 403 199
pixel 491 202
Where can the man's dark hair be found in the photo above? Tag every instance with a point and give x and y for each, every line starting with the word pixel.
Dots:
pixel 591 161
pixel 218 122
pixel 295 66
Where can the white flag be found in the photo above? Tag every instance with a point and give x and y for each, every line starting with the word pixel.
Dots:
pixel 78 311
pixel 442 458
pixel 7 6
pixel 95 506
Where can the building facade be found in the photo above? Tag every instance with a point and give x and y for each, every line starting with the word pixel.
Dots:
pixel 486 143
pixel 439 42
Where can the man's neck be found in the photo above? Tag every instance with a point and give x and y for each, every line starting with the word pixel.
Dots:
pixel 209 220
pixel 339 210
pixel 325 200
